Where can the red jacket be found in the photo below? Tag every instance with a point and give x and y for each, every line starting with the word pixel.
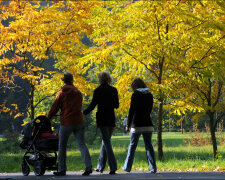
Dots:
pixel 69 100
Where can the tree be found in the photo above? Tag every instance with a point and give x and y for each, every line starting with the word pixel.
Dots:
pixel 35 35
pixel 155 40
pixel 136 39
pixel 202 89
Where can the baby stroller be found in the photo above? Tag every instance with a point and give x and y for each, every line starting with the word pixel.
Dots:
pixel 41 146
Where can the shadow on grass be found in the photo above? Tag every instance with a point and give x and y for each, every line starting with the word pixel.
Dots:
pixel 168 142
pixel 181 155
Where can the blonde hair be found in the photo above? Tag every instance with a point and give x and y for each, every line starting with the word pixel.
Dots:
pixel 104 77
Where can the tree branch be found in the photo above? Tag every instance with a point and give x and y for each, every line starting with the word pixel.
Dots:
pixel 178 3
pixel 195 26
pixel 202 92
pixel 218 94
pixel 62 33
pixel 209 92
pixel 43 99
pixel 206 54
pixel 157 21
pixel 141 63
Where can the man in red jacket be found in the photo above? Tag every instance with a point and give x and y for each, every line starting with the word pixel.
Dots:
pixel 69 101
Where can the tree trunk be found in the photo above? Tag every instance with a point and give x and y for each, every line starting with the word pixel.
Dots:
pixel 159 138
pixel 160 111
pixel 212 125
pixel 213 134
pixel 32 102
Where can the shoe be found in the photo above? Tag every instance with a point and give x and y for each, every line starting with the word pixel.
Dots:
pixel 98 170
pixel 153 171
pixel 125 170
pixel 112 172
pixel 87 173
pixel 62 173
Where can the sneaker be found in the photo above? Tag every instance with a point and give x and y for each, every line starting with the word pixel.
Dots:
pixel 87 173
pixel 153 171
pixel 98 170
pixel 61 173
pixel 125 169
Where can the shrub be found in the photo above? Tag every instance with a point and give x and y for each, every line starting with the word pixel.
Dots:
pixel 201 138
pixel 197 137
pixel 220 133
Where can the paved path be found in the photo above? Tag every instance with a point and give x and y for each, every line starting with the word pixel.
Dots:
pixel 140 175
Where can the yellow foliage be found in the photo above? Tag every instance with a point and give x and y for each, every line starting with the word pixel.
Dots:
pixel 18 115
pixel 172 45
pixel 39 32
pixel 175 46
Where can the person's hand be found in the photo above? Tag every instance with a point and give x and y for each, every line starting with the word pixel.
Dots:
pixel 127 129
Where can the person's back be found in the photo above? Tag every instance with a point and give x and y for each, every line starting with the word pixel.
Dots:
pixel 71 111
pixel 107 101
pixel 107 97
pixel 142 101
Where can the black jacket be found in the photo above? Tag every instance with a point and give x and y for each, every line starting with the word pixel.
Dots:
pixel 140 108
pixel 106 97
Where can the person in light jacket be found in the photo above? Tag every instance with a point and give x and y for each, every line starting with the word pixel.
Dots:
pixel 105 97
pixel 69 101
pixel 125 125
pixel 140 123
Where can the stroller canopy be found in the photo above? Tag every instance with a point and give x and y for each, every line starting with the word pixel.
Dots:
pixel 41 123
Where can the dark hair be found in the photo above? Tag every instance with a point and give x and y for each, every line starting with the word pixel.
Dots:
pixel 138 83
pixel 104 77
pixel 67 78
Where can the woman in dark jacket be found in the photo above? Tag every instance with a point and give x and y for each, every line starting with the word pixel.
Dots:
pixel 106 98
pixel 139 122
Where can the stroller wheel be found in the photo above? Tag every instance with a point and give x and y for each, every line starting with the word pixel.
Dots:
pixel 25 169
pixel 39 168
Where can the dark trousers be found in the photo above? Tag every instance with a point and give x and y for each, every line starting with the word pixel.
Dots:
pixel 106 150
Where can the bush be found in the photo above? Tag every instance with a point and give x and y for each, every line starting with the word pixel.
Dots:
pixel 201 138
pixel 220 133
pixel 197 137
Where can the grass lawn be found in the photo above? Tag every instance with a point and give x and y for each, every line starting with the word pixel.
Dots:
pixel 178 156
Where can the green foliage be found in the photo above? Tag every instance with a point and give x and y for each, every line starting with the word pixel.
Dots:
pixel 10 142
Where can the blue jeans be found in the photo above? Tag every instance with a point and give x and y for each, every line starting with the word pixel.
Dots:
pixel 150 154
pixel 64 133
pixel 106 150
